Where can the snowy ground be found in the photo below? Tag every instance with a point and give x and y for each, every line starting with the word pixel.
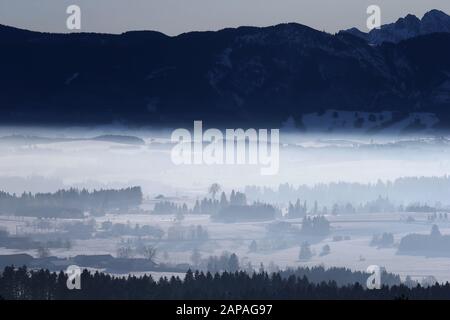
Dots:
pixel 354 253
pixel 46 167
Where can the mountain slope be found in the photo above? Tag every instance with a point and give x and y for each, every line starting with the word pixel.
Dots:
pixel 246 76
pixel 434 21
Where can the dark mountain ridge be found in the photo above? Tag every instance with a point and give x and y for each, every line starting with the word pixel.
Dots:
pixel 246 76
pixel 433 21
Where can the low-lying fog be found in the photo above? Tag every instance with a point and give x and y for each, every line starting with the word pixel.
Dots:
pixel 337 199
pixel 42 160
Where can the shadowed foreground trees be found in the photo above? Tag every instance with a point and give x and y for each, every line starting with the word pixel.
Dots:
pixel 19 283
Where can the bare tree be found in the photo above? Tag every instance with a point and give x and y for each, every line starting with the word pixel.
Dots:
pixel 124 252
pixel 214 189
pixel 149 253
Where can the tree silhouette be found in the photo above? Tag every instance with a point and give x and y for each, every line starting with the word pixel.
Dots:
pixel 325 250
pixel 149 253
pixel 124 252
pixel 302 283
pixel 214 189
pixel 305 251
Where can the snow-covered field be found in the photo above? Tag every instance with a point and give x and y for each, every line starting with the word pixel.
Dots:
pixel 353 252
pixel 29 164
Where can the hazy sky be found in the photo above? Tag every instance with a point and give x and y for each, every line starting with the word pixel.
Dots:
pixel 177 16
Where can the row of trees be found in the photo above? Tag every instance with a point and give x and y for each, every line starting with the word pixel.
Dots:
pixel 69 203
pixel 27 243
pixel 315 226
pixel 204 206
pixel 311 226
pixel 20 283
pixel 109 229
pixel 254 212
pixel 297 210
pixel 169 207
pixel 227 210
pixel 213 206
pixel 374 206
pixel 383 240
pixel 402 190
pixel 192 233
pixel 380 204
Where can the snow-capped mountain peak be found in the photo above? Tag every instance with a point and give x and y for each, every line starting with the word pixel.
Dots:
pixel 405 28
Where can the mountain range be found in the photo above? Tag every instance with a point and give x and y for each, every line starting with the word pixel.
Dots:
pixel 246 76
pixel 433 21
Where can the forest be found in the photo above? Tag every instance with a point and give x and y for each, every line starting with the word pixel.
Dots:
pixel 71 203
pixel 229 210
pixel 433 244
pixel 23 284
pixel 402 190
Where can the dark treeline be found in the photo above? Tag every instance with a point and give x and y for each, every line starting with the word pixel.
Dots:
pixel 204 206
pixel 297 210
pixel 26 243
pixel 237 209
pixel 227 210
pixel 71 203
pixel 342 276
pixel 407 190
pixel 42 284
pixel 169 207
